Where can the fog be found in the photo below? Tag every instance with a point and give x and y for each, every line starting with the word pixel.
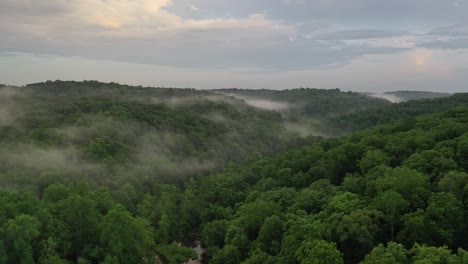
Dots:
pixel 155 149
pixel 8 109
pixel 40 158
pixel 266 104
pixel 389 97
pixel 261 103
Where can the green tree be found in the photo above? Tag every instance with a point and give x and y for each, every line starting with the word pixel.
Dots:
pixel 252 215
pixel 214 232
pixel 49 254
pixel 125 238
pixel 55 192
pixel 229 254
pixel 21 231
pixel 82 217
pixel 416 228
pixel 109 149
pixel 318 252
pixel 393 205
pixel 393 253
pixel 164 229
pixel 260 257
pixel 3 253
pixel 456 183
pixel 411 184
pixel 236 236
pixel 298 230
pixel 432 255
pixel 462 150
pixel 372 159
pixel 270 235
pixel 175 254
pixel 446 215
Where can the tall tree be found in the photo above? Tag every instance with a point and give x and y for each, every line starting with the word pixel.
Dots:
pixel 21 231
pixel 126 239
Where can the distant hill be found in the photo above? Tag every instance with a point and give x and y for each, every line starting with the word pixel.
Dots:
pixel 305 110
pixel 317 103
pixel 364 119
pixel 403 96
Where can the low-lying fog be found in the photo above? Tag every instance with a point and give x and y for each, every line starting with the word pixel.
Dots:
pixel 390 97
pixel 262 103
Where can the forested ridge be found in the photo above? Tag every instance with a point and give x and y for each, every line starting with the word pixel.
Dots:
pixel 363 119
pixel 109 134
pixel 312 102
pixel 337 113
pixel 103 173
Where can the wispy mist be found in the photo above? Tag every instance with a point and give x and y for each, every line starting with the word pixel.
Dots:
pixel 9 110
pixel 390 97
pixel 262 103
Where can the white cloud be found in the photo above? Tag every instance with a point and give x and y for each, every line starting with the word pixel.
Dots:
pixel 259 37
pixel 194 8
pixel 124 18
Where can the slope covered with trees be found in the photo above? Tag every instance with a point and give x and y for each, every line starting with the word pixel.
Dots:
pixel 333 113
pixel 114 176
pixel 313 103
pixel 363 119
pixel 308 110
pixel 393 194
pixel 109 134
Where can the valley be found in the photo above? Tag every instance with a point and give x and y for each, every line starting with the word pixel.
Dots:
pixel 107 173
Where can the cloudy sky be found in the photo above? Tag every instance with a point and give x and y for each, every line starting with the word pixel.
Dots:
pixel 359 45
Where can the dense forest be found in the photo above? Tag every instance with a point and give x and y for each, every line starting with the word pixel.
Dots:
pixel 392 194
pixel 307 110
pixel 108 134
pixel 360 120
pixel 316 103
pixel 104 173
pixel 336 113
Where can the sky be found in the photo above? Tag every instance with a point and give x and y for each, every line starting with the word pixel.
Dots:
pixel 357 45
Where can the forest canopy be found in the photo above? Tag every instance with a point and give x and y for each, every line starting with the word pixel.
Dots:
pixel 105 173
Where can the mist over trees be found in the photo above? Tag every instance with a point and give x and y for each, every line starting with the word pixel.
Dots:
pixel 105 173
pixel 110 134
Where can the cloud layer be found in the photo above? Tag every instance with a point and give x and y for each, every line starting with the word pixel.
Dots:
pixel 268 36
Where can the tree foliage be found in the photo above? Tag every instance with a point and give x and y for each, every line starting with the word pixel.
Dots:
pixel 105 173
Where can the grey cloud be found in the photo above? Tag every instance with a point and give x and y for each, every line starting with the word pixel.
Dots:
pixel 33 7
pixel 359 34
pixel 274 53
pixel 387 11
pixel 277 47
pixel 188 50
pixel 456 43
pixel 284 35
pixel 448 37
pixel 453 30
